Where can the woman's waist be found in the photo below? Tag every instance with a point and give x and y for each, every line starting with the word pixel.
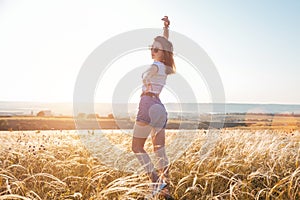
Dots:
pixel 152 88
pixel 150 93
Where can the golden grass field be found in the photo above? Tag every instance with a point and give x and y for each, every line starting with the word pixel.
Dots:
pixel 242 164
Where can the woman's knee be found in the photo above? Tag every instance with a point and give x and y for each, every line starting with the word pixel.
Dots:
pixel 158 147
pixel 137 145
pixel 136 149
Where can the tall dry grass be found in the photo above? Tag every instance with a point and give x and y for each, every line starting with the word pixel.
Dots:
pixel 241 165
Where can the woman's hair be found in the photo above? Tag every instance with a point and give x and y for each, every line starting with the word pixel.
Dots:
pixel 168 54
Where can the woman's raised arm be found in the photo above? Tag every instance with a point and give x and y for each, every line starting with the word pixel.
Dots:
pixel 166 26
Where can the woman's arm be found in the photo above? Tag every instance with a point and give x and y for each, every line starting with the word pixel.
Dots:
pixel 166 26
pixel 166 32
pixel 146 76
pixel 149 73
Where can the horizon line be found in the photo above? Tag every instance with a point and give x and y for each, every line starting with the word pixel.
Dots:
pixel 233 102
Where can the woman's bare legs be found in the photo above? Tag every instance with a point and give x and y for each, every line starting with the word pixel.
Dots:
pixel 140 135
pixel 142 130
pixel 158 141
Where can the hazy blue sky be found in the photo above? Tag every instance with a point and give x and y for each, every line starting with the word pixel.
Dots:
pixel 255 44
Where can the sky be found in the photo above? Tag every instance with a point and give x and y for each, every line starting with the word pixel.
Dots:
pixel 255 46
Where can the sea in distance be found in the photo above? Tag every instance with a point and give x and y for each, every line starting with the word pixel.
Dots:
pixel 103 109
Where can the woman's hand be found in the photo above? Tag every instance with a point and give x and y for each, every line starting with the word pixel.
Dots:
pixel 166 24
pixel 166 21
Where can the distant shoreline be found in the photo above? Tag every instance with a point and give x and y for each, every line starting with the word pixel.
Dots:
pixel 104 109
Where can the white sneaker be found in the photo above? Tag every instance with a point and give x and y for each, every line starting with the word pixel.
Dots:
pixel 158 186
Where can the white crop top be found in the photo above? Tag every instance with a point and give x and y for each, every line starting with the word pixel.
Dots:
pixel 154 78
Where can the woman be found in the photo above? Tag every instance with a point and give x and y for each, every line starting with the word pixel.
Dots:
pixel 152 115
